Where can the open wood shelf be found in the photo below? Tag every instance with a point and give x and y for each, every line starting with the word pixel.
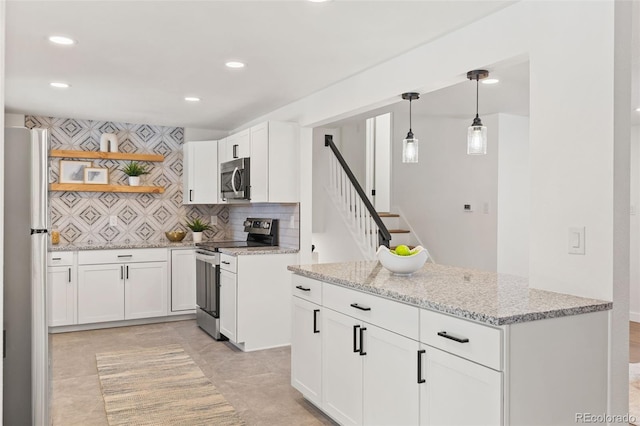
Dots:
pixel 83 187
pixel 105 155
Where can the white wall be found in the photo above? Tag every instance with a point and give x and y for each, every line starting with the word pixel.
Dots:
pixel 432 193
pixel 352 146
pixel 575 143
pixel 634 272
pixel 14 120
pixel 513 195
pixel 2 43
pixel 194 134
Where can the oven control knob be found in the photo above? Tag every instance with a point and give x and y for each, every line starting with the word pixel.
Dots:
pixel 247 223
pixel 265 225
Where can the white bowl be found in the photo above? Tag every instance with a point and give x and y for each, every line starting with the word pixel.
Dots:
pixel 402 265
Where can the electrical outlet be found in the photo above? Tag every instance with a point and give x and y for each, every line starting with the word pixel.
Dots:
pixel 292 222
pixel 113 220
pixel 214 220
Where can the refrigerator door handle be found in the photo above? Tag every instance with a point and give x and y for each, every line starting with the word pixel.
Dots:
pixel 39 178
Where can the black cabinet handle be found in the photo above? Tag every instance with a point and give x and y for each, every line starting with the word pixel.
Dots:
pixel 299 287
pixel 420 379
pixel 56 258
pixel 225 262
pixel 69 274
pixel 315 320
pixel 362 308
pixel 235 151
pixel 355 337
pixel 362 330
pixel 124 255
pixel 191 195
pixel 454 338
pixel 127 271
pixel 121 272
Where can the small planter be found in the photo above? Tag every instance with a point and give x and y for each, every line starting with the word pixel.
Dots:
pixel 134 180
pixel 197 237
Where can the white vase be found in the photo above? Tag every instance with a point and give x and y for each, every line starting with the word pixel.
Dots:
pixel 134 180
pixel 197 237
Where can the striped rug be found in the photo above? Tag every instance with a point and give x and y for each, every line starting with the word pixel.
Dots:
pixel 160 386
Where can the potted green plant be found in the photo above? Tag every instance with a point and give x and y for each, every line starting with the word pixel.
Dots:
pixel 197 228
pixel 134 170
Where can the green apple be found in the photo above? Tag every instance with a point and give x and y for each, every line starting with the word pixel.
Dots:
pixel 403 250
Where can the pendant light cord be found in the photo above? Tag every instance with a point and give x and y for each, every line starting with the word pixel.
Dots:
pixel 410 131
pixel 477 93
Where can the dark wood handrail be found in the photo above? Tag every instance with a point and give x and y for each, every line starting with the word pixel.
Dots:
pixel 383 233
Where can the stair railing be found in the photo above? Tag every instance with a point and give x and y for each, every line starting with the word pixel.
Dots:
pixel 361 212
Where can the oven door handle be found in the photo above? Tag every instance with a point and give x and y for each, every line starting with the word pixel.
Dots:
pixel 233 181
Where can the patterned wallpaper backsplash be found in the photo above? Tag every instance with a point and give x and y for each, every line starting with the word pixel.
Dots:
pixel 83 217
pixel 289 232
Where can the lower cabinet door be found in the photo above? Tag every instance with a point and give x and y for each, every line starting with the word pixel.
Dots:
pixel 100 293
pixel 459 392
pixel 391 392
pixel 228 306
pixel 145 294
pixel 306 350
pixel 183 280
pixel 61 295
pixel 341 367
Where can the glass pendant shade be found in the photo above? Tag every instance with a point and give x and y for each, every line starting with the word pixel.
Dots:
pixel 410 149
pixel 477 140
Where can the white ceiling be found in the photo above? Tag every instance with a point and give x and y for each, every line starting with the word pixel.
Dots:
pixel 135 61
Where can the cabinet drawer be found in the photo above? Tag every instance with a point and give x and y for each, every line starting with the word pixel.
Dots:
pixel 97 257
pixel 389 314
pixel 228 263
pixel 484 344
pixel 60 258
pixel 307 288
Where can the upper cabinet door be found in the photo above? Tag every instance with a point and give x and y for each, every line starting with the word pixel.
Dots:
pixel 238 145
pixel 260 163
pixel 200 172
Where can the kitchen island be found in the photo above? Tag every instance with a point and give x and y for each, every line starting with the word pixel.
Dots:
pixel 445 346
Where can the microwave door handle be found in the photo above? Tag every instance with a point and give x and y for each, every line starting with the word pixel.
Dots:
pixel 233 181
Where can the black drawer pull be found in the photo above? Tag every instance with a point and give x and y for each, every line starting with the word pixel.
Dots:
pixel 56 258
pixel 454 338
pixel 225 262
pixel 315 320
pixel 125 255
pixel 362 308
pixel 362 330
pixel 420 379
pixel 299 287
pixel 355 336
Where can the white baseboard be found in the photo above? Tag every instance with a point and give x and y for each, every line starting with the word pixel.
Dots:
pixel 634 316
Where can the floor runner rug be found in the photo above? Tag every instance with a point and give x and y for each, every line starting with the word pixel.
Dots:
pixel 160 386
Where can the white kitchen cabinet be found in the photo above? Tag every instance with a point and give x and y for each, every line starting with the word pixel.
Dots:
pixel 458 392
pixel 183 280
pixel 61 294
pixel 274 162
pixel 100 293
pixel 237 146
pixel 200 172
pixel 145 290
pixel 306 349
pixel 115 285
pixel 228 308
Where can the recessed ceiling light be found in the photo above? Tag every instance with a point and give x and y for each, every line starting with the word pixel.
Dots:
pixel 318 1
pixel 59 85
pixel 61 40
pixel 192 99
pixel 490 81
pixel 638 109
pixel 234 64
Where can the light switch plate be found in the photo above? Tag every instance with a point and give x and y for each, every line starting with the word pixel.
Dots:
pixel 576 240
pixel 214 220
pixel 113 220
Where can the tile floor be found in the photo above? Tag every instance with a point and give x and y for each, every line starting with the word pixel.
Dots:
pixel 257 383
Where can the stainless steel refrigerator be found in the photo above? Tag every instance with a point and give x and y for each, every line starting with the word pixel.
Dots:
pixel 26 361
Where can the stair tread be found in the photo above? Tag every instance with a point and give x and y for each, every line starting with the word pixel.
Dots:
pixel 398 231
pixel 386 214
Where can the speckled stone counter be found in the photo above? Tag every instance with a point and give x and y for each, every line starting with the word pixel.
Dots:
pixel 149 244
pixel 248 251
pixel 487 297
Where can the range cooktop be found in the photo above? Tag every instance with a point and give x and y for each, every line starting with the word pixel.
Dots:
pixel 216 245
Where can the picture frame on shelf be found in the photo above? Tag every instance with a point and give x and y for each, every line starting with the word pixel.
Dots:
pixel 73 171
pixel 96 175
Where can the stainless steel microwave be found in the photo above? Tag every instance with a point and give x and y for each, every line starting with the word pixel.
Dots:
pixel 235 179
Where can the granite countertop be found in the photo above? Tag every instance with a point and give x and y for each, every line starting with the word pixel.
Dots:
pixel 487 297
pixel 103 246
pixel 247 251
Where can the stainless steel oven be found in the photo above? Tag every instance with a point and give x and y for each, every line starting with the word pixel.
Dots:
pixel 235 182
pixel 208 292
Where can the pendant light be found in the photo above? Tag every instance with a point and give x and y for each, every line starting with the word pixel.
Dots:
pixel 477 133
pixel 410 143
